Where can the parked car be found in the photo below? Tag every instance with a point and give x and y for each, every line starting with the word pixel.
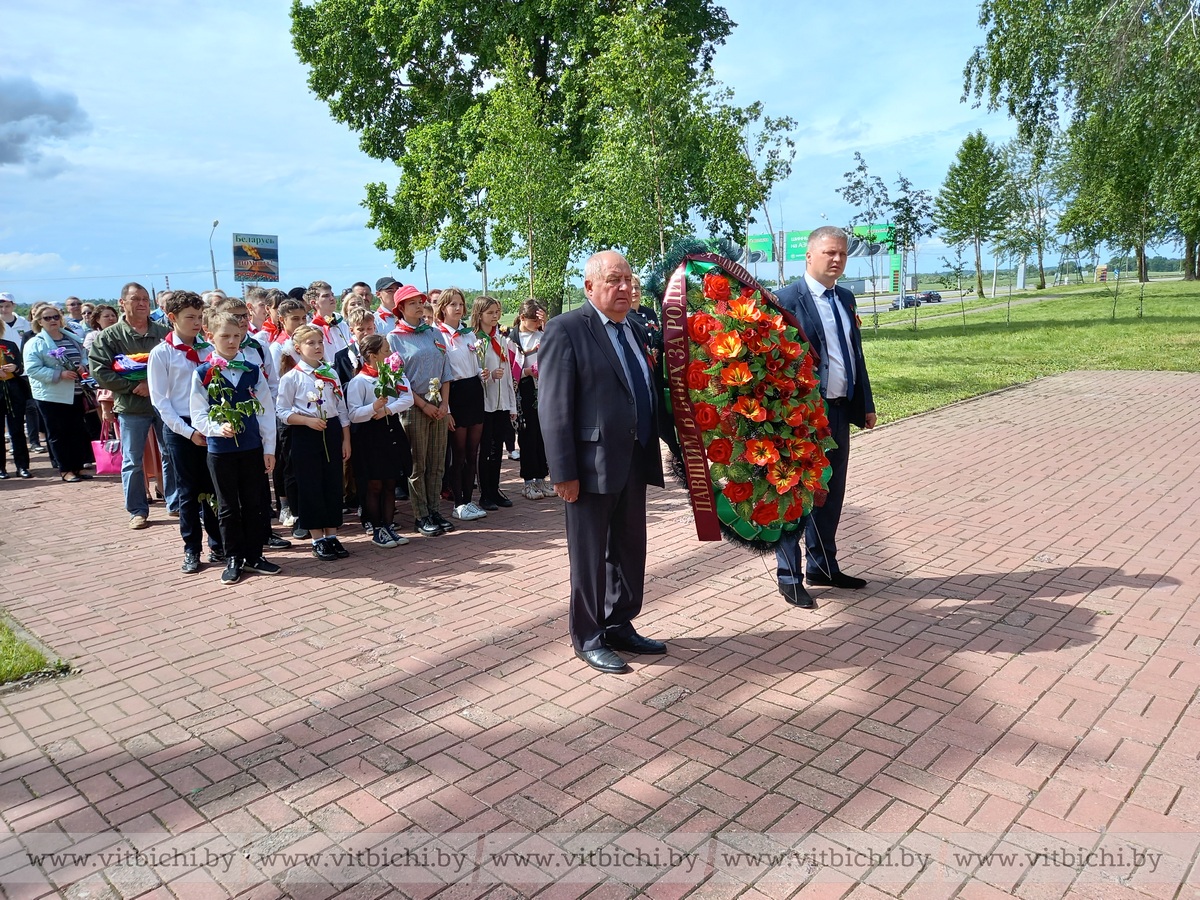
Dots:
pixel 929 297
pixel 909 301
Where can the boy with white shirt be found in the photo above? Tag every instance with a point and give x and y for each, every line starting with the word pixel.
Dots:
pixel 336 333
pixel 169 375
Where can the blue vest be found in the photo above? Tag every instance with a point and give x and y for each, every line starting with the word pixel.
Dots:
pixel 248 438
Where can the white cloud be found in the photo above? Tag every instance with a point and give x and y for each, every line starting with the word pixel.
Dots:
pixel 27 262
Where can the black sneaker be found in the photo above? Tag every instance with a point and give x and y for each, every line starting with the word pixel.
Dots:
pixel 300 534
pixel 487 503
pixel 367 527
pixel 262 567
pixel 427 527
pixel 441 523
pixel 502 500
pixel 216 555
pixel 322 551
pixel 191 562
pixel 233 571
pixel 342 552
pixel 278 543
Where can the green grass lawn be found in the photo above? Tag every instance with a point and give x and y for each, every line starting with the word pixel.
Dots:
pixel 939 363
pixel 17 658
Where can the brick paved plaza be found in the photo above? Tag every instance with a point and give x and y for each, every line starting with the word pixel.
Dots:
pixel 1007 711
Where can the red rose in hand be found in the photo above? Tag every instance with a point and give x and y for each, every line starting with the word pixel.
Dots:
pixel 697 379
pixel 701 327
pixel 716 288
pixel 706 416
pixel 721 451
pixel 765 513
pixel 737 491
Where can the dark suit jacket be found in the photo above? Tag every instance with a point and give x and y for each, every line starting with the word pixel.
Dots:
pixel 798 299
pixel 344 366
pixel 587 409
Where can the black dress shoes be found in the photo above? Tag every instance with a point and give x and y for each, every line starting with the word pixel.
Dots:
pixel 603 660
pixel 837 580
pixel 634 643
pixel 796 595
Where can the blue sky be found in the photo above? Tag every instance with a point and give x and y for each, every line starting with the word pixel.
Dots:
pixel 127 128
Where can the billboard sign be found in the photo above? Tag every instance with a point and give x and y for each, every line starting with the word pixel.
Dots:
pixel 762 243
pixel 256 257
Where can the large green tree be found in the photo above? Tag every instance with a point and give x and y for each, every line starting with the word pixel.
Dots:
pixel 974 202
pixel 1125 76
pixel 415 80
pixel 1030 229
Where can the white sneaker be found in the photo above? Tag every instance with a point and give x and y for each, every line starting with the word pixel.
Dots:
pixel 516 454
pixel 467 512
pixel 480 512
pixel 530 491
pixel 286 519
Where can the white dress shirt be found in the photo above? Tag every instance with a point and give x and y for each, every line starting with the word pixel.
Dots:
pixel 299 391
pixel 360 398
pixel 169 375
pixel 835 379
pixel 265 417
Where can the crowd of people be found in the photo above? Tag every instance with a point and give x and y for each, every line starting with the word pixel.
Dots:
pixel 290 409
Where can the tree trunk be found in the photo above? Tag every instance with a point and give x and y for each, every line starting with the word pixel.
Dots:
pixel 1143 276
pixel 1041 270
pixel 978 267
pixel 1189 257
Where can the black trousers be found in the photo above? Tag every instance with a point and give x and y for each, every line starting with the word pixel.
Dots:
pixel 533 449
pixel 821 525
pixel 285 479
pixel 67 433
pixel 12 414
pixel 317 466
pixel 237 478
pixel 606 545
pixel 192 480
pixel 497 432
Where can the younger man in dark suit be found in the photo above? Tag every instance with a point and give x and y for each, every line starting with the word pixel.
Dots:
pixel 598 421
pixel 827 315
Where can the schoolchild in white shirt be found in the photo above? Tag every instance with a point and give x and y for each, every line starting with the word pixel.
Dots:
pixel 499 399
pixel 334 332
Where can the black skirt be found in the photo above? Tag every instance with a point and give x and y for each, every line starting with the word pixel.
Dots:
pixel 318 479
pixel 375 449
pixel 466 402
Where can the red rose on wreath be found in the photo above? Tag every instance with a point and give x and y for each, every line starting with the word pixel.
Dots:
pixel 697 378
pixel 701 327
pixel 721 451
pixel 765 513
pixel 737 491
pixel 716 288
pixel 794 511
pixel 706 416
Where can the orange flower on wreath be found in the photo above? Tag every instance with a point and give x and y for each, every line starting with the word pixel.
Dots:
pixel 751 409
pixel 736 375
pixel 701 327
pixel 726 346
pixel 819 419
pixel 737 491
pixel 716 288
pixel 783 476
pixel 790 349
pixel 797 415
pixel 765 513
pixel 745 310
pixel 811 478
pixel 760 453
pixel 706 416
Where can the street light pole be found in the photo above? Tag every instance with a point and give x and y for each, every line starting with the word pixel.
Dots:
pixel 212 259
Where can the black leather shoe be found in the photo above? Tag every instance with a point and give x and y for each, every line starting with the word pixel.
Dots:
pixel 796 595
pixel 342 552
pixel 489 505
pixel 603 660
pixel 427 527
pixel 634 643
pixel 322 551
pixel 837 580
pixel 441 523
pixel 501 500
pixel 25 473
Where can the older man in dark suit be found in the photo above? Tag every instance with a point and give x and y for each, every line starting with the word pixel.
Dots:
pixel 827 315
pixel 597 411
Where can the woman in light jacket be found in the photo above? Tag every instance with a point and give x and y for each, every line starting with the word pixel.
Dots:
pixel 54 362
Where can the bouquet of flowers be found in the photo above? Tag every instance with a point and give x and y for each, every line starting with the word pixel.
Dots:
pixel 221 408
pixel 391 376
pixel 751 425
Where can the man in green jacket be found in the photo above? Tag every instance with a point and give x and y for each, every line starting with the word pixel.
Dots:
pixel 134 333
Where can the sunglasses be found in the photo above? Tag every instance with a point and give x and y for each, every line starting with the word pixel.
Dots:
pixel 51 318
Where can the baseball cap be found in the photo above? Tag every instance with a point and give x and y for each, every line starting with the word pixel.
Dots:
pixel 6 297
pixel 382 284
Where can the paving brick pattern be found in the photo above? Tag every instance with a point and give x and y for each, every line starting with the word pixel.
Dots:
pixel 1019 678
